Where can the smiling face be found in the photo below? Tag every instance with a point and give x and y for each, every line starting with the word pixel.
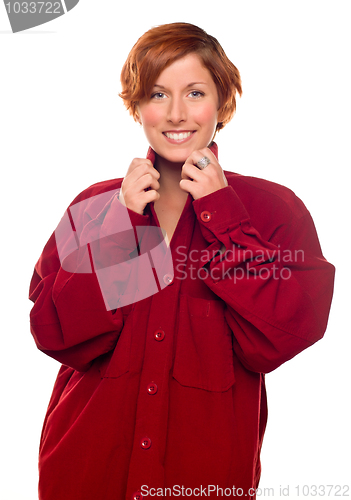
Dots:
pixel 181 114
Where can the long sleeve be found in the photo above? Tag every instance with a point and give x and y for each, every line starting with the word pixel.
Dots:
pixel 275 282
pixel 71 320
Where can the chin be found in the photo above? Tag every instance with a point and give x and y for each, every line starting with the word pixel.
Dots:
pixel 178 157
pixel 174 156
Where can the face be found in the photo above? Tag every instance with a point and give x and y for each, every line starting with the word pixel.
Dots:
pixel 181 114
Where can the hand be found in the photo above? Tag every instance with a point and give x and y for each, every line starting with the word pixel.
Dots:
pixel 198 182
pixel 141 175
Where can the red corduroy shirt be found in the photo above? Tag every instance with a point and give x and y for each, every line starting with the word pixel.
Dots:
pixel 161 389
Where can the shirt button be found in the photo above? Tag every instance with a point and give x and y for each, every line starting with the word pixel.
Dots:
pixel 168 279
pixel 145 443
pixel 137 496
pixel 159 335
pixel 205 216
pixel 152 388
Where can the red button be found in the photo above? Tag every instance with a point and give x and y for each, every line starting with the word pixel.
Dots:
pixel 205 216
pixel 159 335
pixel 168 279
pixel 152 388
pixel 137 496
pixel 145 443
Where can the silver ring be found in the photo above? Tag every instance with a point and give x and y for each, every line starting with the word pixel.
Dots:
pixel 203 162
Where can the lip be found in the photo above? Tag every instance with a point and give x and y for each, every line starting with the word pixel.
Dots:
pixel 182 141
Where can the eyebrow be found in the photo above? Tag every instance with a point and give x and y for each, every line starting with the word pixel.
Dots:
pixel 189 85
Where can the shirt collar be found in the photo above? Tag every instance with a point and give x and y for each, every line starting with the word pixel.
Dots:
pixel 187 214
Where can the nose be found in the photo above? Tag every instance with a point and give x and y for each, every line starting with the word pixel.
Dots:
pixel 177 111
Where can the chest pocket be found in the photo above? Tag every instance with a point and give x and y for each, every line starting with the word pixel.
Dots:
pixel 204 349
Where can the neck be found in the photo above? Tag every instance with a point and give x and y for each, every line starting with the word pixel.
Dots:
pixel 170 176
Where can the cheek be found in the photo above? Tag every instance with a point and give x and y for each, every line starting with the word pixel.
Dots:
pixel 150 117
pixel 207 115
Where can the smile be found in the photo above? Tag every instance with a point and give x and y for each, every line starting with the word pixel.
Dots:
pixel 178 137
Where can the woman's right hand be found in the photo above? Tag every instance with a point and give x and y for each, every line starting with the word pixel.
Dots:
pixel 141 175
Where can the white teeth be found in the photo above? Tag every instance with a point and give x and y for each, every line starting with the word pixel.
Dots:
pixel 178 137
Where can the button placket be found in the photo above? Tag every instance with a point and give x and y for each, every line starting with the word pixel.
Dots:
pixel 152 406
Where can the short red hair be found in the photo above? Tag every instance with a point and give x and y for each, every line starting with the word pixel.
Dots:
pixel 160 47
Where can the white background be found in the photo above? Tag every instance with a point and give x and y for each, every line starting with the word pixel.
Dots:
pixel 63 127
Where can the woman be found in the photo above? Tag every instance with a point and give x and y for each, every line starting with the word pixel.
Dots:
pixel 165 342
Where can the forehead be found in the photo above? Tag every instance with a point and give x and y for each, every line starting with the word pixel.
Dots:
pixel 188 69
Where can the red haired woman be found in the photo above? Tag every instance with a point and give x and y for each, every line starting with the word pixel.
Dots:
pixel 165 335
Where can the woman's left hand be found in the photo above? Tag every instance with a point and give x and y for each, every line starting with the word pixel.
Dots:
pixel 198 182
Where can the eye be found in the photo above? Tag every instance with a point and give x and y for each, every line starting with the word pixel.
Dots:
pixel 158 95
pixel 196 94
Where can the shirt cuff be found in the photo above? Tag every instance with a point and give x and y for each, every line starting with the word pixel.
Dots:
pixel 219 212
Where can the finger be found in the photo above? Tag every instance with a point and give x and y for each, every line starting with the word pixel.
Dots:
pixel 148 196
pixel 138 173
pixel 143 183
pixel 190 171
pixel 141 164
pixel 207 152
pixel 148 181
pixel 186 185
pixel 190 187
pixel 140 161
pixel 145 168
pixel 200 153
